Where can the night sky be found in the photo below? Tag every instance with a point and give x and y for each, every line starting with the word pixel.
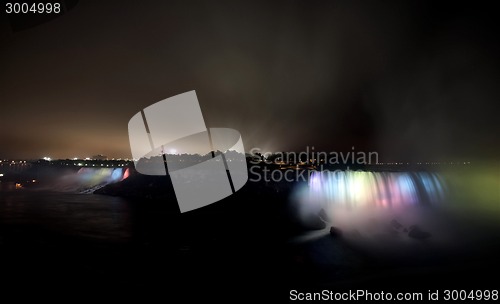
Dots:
pixel 412 81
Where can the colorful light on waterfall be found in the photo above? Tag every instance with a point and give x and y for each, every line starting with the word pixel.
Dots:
pixel 87 180
pixel 376 189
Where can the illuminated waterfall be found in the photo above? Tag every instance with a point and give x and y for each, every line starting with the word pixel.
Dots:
pixel 98 176
pixel 355 189
pixel 87 180
pixel 354 199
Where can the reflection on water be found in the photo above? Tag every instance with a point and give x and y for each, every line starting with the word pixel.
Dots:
pixel 85 216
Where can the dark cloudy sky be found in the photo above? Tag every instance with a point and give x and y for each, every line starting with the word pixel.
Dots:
pixel 411 80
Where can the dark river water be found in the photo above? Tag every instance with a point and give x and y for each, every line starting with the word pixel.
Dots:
pixel 86 244
pixel 92 217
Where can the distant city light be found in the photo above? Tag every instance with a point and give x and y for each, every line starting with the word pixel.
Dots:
pixel 173 151
pixel 1 174
pixel 47 158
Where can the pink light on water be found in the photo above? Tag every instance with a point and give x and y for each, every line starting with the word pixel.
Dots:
pixel 126 174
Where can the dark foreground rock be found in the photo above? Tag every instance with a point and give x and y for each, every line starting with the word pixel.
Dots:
pixel 417 233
